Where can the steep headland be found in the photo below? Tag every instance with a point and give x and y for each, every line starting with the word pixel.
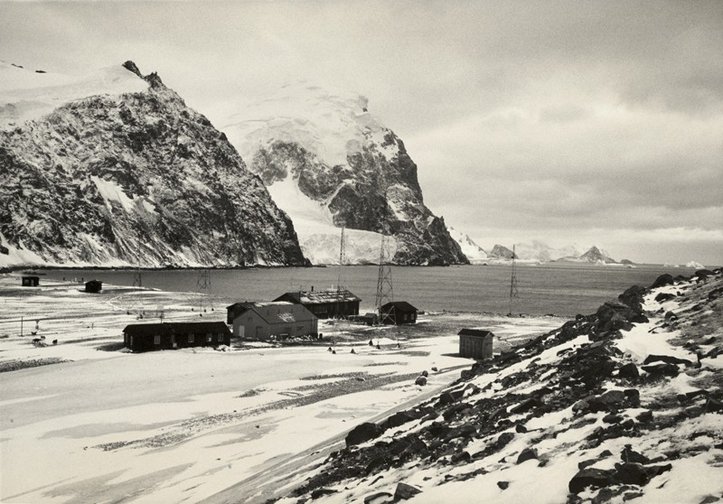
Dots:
pixel 114 169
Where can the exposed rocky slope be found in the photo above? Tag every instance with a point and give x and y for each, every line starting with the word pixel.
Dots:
pixel 593 255
pixel 123 176
pixel 329 163
pixel 618 405
pixel 501 252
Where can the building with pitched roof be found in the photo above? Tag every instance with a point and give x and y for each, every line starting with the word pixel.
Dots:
pixel 271 320
pixel 172 335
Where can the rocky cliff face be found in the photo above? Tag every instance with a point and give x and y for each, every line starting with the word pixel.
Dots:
pixel 329 163
pixel 120 178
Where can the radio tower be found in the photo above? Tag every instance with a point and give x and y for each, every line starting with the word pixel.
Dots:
pixel 513 281
pixel 138 280
pixel 342 258
pixel 203 287
pixel 385 289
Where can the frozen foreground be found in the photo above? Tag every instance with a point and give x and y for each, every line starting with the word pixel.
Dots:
pixel 84 421
pixel 622 405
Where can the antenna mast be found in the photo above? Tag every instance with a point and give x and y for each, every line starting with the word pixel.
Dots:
pixel 203 286
pixel 513 280
pixel 342 258
pixel 385 290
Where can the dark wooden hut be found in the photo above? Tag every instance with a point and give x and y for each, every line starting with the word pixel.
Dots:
pixel 475 343
pixel 30 281
pixel 94 286
pixel 398 312
pixel 172 335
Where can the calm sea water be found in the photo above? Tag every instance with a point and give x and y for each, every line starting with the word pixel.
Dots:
pixel 543 289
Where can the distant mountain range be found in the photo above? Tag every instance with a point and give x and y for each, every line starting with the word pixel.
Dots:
pixel 532 252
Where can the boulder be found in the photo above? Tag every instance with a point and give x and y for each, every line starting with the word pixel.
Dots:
pixel 421 380
pixel 666 358
pixel 405 491
pixel 321 492
pixel 664 296
pixel 629 371
pixel 633 473
pixel 504 485
pixel 527 454
pixel 362 433
pixel 645 417
pixel 662 280
pixel 378 498
pixel 661 369
pixel 630 455
pixel 590 477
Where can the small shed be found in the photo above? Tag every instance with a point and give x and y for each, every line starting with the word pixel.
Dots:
pixel 94 286
pixel 172 335
pixel 475 343
pixel 398 312
pixel 276 319
pixel 329 303
pixel 30 281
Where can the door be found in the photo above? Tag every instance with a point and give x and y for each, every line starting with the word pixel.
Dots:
pixel 240 331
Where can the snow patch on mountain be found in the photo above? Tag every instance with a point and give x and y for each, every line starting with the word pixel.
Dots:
pixel 474 252
pixel 26 95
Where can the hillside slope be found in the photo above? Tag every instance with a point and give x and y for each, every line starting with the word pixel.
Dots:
pixel 128 175
pixel 618 405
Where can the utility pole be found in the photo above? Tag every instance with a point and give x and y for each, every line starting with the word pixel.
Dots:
pixel 513 281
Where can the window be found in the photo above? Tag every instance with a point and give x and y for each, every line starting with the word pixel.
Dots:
pixel 208 337
pixel 157 339
pixel 190 338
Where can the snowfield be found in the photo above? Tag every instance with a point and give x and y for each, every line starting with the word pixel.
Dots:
pixel 85 421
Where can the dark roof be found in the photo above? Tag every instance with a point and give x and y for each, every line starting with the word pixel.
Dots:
pixel 31 276
pixel 319 297
pixel 93 282
pixel 175 328
pixel 276 312
pixel 482 333
pixel 399 305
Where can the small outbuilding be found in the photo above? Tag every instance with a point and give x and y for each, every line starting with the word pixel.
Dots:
pixel 398 312
pixel 271 320
pixel 30 281
pixel 330 303
pixel 172 335
pixel 94 286
pixel 475 343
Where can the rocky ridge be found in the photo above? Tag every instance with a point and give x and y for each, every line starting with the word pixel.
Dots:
pixel 613 406
pixel 137 177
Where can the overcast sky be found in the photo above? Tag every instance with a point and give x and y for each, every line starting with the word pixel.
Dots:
pixel 570 122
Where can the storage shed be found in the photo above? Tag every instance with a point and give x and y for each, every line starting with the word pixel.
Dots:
pixel 30 281
pixel 94 286
pixel 475 343
pixel 277 319
pixel 171 335
pixel 398 312
pixel 330 303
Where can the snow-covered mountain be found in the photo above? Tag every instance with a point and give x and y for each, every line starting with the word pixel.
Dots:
pixel 114 168
pixel 542 252
pixel 593 255
pixel 501 252
pixel 329 163
pixel 474 252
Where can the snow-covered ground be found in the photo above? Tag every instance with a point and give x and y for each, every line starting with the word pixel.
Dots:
pixel 89 422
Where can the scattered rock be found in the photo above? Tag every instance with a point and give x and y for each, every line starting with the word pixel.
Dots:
pixel 527 454
pixel 320 492
pixel 362 433
pixel 664 296
pixel 503 484
pixel 662 280
pixel 645 417
pixel 421 380
pixel 666 358
pixel 424 373
pixel 405 491
pixel 520 428
pixel 378 498
pixel 629 371
pixel 590 477
pixel 661 369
